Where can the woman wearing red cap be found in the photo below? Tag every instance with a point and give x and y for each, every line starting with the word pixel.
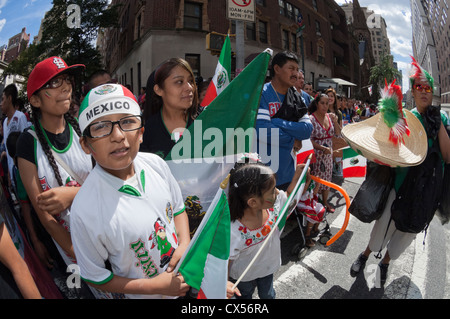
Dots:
pixel 54 134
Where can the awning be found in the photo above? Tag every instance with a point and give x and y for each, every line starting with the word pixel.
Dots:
pixel 338 81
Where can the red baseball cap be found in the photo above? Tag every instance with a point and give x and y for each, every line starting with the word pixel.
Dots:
pixel 46 70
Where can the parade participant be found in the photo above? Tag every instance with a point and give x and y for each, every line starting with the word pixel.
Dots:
pixel 398 138
pixel 143 247
pixel 325 127
pixel 255 204
pixel 284 71
pixel 171 102
pixel 15 121
pixel 54 131
pixel 299 85
pixel 39 239
pixel 308 88
pixel 10 257
pixel 333 104
pixel 338 142
pixel 50 157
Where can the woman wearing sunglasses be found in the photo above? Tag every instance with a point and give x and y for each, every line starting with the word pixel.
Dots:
pixel 54 133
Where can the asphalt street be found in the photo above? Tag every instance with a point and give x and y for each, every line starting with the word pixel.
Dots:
pixel 324 272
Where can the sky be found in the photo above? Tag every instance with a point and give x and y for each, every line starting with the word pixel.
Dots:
pixel 397 15
pixel 16 14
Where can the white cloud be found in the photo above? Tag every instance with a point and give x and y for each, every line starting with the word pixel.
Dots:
pixel 3 3
pixel 397 15
pixel 2 24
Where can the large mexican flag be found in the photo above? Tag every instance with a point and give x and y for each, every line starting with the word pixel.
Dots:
pixel 201 160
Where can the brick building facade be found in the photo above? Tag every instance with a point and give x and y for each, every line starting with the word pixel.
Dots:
pixel 152 31
pixel 16 45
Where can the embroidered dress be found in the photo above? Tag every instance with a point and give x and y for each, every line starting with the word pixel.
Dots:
pixel 323 167
pixel 129 223
pixel 245 243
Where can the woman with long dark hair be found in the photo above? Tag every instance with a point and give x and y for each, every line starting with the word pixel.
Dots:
pixel 170 107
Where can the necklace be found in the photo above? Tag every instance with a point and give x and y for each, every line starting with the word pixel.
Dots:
pixel 276 93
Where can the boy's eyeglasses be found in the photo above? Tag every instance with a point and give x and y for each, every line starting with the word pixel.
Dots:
pixel 420 88
pixel 58 81
pixel 104 128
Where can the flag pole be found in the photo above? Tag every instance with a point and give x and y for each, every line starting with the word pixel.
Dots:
pixel 283 211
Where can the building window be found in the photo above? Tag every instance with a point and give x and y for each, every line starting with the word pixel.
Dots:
pixel 285 39
pixel 321 55
pixel 290 11
pixel 250 30
pixel 262 31
pixel 139 75
pixel 294 42
pixel 192 15
pixel 138 26
pixel 261 3
pixel 314 3
pixel 194 62
pixel 318 28
pixel 282 6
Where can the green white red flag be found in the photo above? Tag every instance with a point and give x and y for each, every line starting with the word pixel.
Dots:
pixel 306 150
pixel 354 164
pixel 222 76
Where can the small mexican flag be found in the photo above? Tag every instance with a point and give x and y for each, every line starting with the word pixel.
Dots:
pixel 204 266
pixel 222 76
pixel 354 165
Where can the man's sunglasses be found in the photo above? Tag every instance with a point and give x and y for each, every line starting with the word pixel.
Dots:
pixel 421 88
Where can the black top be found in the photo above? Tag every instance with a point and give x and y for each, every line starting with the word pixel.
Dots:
pixel 25 143
pixel 157 138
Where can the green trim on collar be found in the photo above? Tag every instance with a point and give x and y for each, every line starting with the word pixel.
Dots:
pixel 130 190
pixel 51 145
pixel 143 180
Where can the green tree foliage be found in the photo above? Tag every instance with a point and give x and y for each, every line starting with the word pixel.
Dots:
pixel 381 73
pixel 76 45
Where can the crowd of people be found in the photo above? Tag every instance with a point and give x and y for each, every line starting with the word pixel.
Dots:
pixel 83 188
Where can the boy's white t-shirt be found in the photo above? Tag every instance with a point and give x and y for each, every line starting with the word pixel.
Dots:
pixel 130 226
pixel 245 244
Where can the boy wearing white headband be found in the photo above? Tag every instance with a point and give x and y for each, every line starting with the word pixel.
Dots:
pixel 130 205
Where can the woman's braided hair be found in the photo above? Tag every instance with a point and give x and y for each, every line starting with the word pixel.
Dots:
pixel 35 115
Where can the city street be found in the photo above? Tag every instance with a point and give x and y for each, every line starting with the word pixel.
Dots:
pixel 324 273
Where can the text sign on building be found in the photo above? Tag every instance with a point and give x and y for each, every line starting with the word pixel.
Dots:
pixel 241 10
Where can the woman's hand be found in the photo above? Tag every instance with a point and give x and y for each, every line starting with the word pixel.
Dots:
pixel 57 199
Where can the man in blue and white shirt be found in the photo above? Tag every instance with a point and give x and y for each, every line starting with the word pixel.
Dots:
pixel 277 134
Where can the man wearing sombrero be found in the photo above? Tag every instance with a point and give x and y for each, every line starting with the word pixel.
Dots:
pixel 415 144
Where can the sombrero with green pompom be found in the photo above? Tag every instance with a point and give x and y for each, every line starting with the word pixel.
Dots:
pixel 394 137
